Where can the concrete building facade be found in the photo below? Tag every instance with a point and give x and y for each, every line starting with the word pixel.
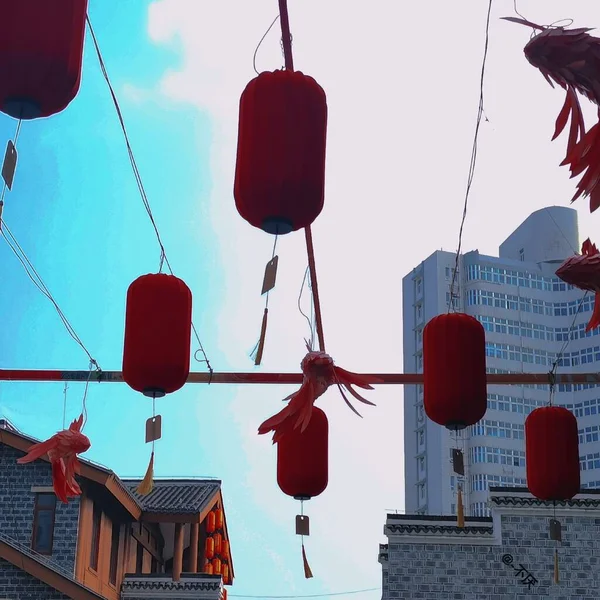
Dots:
pixel 527 313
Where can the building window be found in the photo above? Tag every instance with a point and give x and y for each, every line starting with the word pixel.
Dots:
pixel 154 566
pixel 114 553
pixel 43 523
pixel 95 548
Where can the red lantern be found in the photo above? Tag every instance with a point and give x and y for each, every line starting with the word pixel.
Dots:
pixel 158 328
pixel 210 522
pixel 302 459
pixel 455 388
pixel 41 50
pixel 552 453
pixel 219 519
pixel 225 572
pixel 216 565
pixel 208 569
pixel 218 540
pixel 209 548
pixel 225 548
pixel 280 170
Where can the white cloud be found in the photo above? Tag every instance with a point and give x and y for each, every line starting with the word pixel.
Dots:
pixel 402 85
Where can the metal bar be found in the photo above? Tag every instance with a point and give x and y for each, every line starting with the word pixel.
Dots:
pixel 289 378
pixel 286 36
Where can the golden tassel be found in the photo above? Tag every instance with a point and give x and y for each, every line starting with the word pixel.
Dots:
pixel 556 578
pixel 307 572
pixel 460 513
pixel 261 342
pixel 146 484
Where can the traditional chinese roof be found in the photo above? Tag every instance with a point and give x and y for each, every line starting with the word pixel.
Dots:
pixel 521 497
pixel 433 524
pixel 177 496
pixel 196 585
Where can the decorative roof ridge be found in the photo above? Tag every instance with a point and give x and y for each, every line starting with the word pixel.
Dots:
pixel 450 530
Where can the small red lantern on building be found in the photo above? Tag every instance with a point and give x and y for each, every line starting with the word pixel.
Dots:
pixel 208 568
pixel 303 459
pixel 216 565
pixel 158 328
pixel 552 453
pixel 209 548
pixel 210 522
pixel 225 549
pixel 454 370
pixel 219 519
pixel 280 170
pixel 218 541
pixel 225 572
pixel 41 51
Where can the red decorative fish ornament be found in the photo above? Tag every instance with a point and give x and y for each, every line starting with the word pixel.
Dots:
pixel 62 449
pixel 319 372
pixel 571 58
pixel 583 271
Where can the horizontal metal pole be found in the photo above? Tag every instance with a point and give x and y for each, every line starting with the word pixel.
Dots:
pixel 289 378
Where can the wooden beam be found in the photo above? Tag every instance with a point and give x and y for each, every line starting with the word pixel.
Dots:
pixel 177 551
pixel 193 553
pixel 291 378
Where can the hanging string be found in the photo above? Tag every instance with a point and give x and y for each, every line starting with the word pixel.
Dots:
pixel 261 41
pixel 5 186
pixel 309 320
pixel 85 392
pixel 139 182
pixel 473 156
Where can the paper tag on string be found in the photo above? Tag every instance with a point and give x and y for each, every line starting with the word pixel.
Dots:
pixel 270 275
pixel 555 530
pixel 458 463
pixel 302 525
pixel 10 164
pixel 153 428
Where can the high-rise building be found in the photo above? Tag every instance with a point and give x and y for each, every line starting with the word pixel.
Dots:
pixel 527 313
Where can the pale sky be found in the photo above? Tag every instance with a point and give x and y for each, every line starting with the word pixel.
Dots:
pixel 402 84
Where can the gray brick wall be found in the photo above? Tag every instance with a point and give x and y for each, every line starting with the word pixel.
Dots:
pixel 460 571
pixel 17 505
pixel 18 585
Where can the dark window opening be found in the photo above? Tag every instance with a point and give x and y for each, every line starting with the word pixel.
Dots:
pixel 114 553
pixel 43 523
pixel 95 549
pixel 154 567
pixel 139 559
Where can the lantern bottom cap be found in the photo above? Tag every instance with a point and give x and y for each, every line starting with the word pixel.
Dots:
pixel 302 497
pixel 456 425
pixel 21 108
pixel 154 393
pixel 277 225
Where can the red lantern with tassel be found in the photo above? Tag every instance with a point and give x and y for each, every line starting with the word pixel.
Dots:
pixel 41 51
pixel 303 458
pixel 158 330
pixel 280 171
pixel 552 453
pixel 454 370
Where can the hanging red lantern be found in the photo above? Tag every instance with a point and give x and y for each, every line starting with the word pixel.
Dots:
pixel 225 572
pixel 41 51
pixel 552 453
pixel 302 458
pixel 209 548
pixel 216 565
pixel 454 371
pixel 218 541
pixel 208 569
pixel 219 518
pixel 280 171
pixel 158 328
pixel 225 549
pixel 210 522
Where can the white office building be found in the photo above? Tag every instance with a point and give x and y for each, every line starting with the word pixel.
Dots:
pixel 527 313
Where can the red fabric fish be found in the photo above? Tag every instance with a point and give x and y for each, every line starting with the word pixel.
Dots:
pixel 319 373
pixel 62 449
pixel 583 271
pixel 571 58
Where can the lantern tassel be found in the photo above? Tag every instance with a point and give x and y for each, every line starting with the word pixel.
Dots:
pixel 307 572
pixel 261 342
pixel 556 575
pixel 146 484
pixel 460 513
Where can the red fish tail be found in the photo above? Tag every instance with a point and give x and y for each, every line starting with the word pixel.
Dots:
pixel 37 451
pixel 59 481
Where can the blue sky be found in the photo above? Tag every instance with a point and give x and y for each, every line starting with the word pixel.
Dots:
pixel 400 130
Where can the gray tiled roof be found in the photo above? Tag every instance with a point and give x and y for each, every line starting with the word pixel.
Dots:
pixel 185 496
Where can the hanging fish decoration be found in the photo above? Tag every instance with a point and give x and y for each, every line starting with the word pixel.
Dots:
pixel 319 372
pixel 571 58
pixel 583 272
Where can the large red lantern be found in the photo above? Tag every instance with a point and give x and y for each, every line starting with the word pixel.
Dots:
pixel 158 326
pixel 303 459
pixel 454 372
pixel 41 50
pixel 280 170
pixel 552 453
